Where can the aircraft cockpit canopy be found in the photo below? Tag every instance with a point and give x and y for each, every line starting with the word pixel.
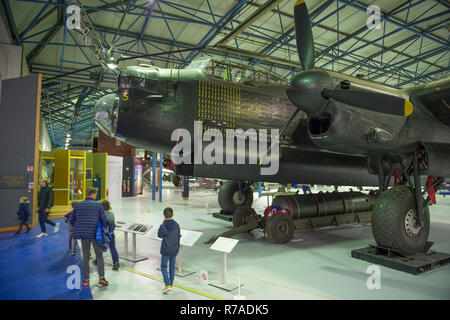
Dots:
pixel 138 77
pixel 236 73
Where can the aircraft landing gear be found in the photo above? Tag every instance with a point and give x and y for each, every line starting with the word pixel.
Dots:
pixel 394 222
pixel 233 194
pixel 401 218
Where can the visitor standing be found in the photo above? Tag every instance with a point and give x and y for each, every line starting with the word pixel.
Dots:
pixel 169 231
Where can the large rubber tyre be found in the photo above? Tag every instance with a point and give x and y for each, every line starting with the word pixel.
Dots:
pixel 280 228
pixel 230 199
pixel 393 221
pixel 243 215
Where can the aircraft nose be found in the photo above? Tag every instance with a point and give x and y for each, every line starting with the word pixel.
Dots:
pixel 106 112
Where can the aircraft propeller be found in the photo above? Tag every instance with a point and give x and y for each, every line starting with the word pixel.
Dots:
pixel 311 89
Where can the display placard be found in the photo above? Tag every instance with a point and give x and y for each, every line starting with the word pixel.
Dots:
pixel 13 182
pixel 225 245
pixel 138 228
pixel 189 237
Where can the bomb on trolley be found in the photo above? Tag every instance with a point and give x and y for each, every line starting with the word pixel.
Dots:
pixel 288 213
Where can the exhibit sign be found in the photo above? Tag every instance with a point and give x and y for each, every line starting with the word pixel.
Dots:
pixel 225 245
pixel 135 229
pixel 13 182
pixel 189 237
pixel 114 177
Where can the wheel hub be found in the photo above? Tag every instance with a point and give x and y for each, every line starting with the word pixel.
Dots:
pixel 411 227
pixel 238 198
pixel 283 228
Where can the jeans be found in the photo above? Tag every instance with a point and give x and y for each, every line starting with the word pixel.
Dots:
pixel 168 278
pixel 86 249
pixel 43 220
pixel 112 248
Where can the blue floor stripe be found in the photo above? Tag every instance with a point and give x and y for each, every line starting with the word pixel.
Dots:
pixel 35 268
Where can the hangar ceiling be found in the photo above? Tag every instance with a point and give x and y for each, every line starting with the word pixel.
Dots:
pixel 411 45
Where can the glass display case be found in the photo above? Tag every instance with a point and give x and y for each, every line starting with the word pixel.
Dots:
pixel 47 168
pixel 76 179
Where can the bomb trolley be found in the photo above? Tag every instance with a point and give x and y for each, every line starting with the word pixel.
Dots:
pixel 299 212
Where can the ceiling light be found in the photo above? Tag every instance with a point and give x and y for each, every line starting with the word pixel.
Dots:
pixel 112 66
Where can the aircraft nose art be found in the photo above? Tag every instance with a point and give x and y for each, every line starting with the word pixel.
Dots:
pixel 106 113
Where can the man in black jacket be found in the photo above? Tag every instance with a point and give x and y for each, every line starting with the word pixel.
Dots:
pixel 170 233
pixel 45 202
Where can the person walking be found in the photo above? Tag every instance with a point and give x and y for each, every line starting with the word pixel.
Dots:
pixel 72 241
pixel 45 202
pixel 169 231
pixel 23 214
pixel 84 219
pixel 111 226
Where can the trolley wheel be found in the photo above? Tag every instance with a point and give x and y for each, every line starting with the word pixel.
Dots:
pixel 243 215
pixel 280 228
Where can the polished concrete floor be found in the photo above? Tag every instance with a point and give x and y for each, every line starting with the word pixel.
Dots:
pixel 314 265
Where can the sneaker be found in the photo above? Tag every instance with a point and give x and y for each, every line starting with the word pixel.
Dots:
pixel 41 234
pixel 74 252
pixel 103 282
pixel 16 233
pixel 85 283
pixel 166 289
pixel 116 266
pixel 56 228
pixel 28 230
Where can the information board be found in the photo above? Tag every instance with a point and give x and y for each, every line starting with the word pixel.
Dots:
pixel 138 228
pixel 189 237
pixel 225 245
pixel 13 182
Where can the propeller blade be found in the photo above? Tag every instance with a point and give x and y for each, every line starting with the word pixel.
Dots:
pixel 303 34
pixel 373 101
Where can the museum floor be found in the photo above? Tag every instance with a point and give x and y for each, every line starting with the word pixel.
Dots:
pixel 314 265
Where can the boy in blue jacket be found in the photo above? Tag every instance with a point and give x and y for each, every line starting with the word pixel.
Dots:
pixel 169 231
pixel 23 214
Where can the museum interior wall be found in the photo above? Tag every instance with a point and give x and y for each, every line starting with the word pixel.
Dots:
pixel 19 129
pixel 114 147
